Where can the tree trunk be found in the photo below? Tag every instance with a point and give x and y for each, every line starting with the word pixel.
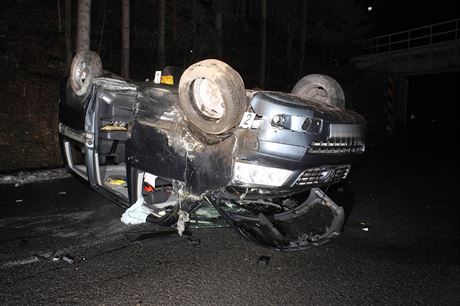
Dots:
pixel 194 20
pixel 241 26
pixel 263 43
pixel 68 34
pixel 288 50
pixel 161 33
pixel 303 38
pixel 59 16
pixel 174 21
pixel 83 25
pixel 101 36
pixel 219 28
pixel 243 19
pixel 125 38
pixel 190 54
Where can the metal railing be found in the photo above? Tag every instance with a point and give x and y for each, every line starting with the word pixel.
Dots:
pixel 430 35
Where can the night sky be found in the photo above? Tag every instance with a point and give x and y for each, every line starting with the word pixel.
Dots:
pixel 396 15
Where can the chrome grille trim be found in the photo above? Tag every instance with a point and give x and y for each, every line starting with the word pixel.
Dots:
pixel 323 175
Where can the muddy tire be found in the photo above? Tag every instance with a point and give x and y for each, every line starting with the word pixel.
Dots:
pixel 321 88
pixel 212 96
pixel 86 65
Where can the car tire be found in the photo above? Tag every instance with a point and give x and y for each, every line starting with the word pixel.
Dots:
pixel 213 96
pixel 320 88
pixel 86 65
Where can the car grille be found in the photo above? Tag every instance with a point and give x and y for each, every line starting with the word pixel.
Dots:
pixel 323 175
pixel 337 146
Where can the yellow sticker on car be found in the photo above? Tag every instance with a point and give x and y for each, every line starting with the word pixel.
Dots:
pixel 116 181
pixel 167 79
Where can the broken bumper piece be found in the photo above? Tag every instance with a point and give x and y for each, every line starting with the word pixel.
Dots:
pixel 312 223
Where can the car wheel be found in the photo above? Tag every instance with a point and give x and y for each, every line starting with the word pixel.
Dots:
pixel 321 88
pixel 86 65
pixel 212 96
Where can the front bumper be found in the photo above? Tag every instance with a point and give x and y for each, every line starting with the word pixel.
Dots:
pixel 316 143
pixel 314 222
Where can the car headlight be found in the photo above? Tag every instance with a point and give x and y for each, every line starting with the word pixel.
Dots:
pixel 250 174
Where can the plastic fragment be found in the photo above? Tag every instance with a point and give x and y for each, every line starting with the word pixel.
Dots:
pixel 364 226
pixel 264 260
pixel 67 258
pixel 194 241
pixel 57 256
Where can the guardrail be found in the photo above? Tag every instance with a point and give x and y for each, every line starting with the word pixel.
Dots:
pixel 430 35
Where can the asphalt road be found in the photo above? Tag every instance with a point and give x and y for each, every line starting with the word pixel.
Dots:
pixel 400 245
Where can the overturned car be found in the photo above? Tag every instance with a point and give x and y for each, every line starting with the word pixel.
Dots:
pixel 259 157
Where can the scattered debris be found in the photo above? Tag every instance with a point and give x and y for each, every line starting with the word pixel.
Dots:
pixel 136 214
pixel 43 256
pixel 61 255
pixel 57 256
pixel 20 178
pixel 26 261
pixel 194 241
pixel 206 216
pixel 67 258
pixel 264 260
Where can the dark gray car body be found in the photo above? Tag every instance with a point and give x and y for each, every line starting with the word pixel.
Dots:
pixel 315 141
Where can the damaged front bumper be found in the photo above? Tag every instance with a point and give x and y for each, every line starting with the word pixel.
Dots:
pixel 312 223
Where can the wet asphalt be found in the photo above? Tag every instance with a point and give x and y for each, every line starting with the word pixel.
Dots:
pixel 400 246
